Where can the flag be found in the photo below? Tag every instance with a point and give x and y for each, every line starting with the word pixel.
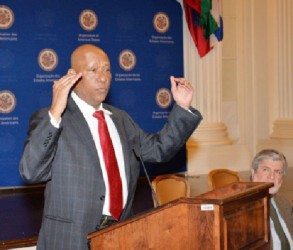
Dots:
pixel 216 13
pixel 204 22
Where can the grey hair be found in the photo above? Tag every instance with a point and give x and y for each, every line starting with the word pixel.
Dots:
pixel 269 154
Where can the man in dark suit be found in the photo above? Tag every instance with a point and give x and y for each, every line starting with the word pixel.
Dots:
pixel 63 149
pixel 270 166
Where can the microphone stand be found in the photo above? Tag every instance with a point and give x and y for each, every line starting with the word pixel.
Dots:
pixel 138 155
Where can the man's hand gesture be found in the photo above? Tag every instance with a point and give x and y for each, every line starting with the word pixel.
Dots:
pixel 182 92
pixel 61 89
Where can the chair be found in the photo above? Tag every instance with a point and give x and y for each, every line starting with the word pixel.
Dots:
pixel 220 177
pixel 170 187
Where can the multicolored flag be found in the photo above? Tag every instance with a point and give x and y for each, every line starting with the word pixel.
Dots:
pixel 204 22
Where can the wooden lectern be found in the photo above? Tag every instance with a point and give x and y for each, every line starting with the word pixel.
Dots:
pixel 232 217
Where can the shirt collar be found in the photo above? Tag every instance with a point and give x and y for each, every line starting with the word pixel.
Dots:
pixel 85 107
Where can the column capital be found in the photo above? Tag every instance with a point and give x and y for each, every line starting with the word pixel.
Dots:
pixel 282 129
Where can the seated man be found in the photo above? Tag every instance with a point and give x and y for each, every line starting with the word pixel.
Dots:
pixel 270 166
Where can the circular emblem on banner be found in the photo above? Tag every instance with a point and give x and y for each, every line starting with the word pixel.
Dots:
pixel 6 17
pixel 7 101
pixel 161 22
pixel 163 98
pixel 48 59
pixel 88 20
pixel 127 60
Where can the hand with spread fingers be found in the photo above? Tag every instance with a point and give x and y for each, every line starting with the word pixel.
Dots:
pixel 61 89
pixel 182 92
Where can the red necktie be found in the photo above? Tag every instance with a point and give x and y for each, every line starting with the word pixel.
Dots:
pixel 114 179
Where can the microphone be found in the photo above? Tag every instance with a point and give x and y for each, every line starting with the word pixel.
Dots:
pixel 137 152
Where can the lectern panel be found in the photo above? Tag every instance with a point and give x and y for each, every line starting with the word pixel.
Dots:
pixel 233 217
pixel 248 225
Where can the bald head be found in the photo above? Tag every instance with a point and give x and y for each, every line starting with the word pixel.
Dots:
pixel 94 66
pixel 80 54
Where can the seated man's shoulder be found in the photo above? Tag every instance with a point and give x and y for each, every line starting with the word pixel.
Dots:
pixel 281 200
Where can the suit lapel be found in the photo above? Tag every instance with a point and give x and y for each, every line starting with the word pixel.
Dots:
pixel 286 211
pixel 279 229
pixel 81 129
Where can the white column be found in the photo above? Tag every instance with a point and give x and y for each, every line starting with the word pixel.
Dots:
pixel 281 78
pixel 283 124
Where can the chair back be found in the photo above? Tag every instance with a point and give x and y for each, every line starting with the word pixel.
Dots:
pixel 220 177
pixel 170 187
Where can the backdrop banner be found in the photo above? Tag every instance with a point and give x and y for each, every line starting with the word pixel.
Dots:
pixel 143 39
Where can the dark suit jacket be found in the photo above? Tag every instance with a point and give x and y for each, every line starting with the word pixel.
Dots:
pixel 67 160
pixel 286 211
